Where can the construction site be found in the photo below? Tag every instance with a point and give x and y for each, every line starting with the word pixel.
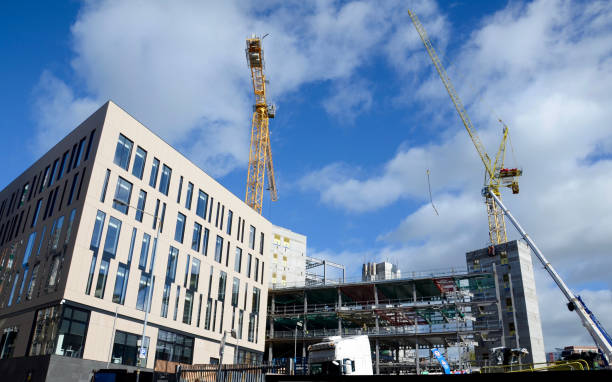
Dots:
pixel 289 313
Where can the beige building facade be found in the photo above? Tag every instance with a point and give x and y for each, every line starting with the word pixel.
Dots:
pixel 288 263
pixel 112 221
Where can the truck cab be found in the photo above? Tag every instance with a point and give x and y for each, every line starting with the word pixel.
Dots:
pixel 341 356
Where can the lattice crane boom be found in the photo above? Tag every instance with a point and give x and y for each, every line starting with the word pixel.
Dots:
pixel 496 174
pixel 260 154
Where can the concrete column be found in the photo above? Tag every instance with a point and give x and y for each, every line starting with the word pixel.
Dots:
pixel 416 330
pixel 337 310
pixel 499 309
pixel 377 354
pixel 270 355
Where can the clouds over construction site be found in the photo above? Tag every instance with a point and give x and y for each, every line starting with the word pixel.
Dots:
pixel 543 67
pixel 179 66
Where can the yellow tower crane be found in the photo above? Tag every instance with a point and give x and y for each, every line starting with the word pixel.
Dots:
pixel 496 175
pixel 260 155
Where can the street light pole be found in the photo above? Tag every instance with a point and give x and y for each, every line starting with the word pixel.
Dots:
pixel 297 324
pixel 142 350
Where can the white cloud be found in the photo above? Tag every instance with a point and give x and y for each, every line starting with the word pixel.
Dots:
pixel 544 68
pixel 348 101
pixel 179 66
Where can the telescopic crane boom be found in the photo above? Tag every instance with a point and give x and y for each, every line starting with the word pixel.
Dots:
pixel 589 321
pixel 260 154
pixel 496 175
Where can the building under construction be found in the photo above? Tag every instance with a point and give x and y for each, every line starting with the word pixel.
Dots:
pixel 419 312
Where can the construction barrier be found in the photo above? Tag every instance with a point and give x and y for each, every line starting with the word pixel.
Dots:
pixel 228 372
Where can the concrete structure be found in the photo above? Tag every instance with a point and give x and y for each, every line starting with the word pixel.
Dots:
pixel 402 317
pixel 518 308
pixel 380 271
pixel 288 264
pixel 111 220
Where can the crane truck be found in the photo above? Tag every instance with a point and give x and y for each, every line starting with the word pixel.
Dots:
pixel 575 303
pixel 341 356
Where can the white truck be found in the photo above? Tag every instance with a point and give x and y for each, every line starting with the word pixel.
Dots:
pixel 341 356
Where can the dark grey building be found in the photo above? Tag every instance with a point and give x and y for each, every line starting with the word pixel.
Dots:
pixel 518 309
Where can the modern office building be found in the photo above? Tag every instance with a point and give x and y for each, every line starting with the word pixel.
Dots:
pixel 518 310
pixel 288 264
pixel 112 222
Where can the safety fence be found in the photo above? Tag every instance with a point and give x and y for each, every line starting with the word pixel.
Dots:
pixel 574 365
pixel 229 373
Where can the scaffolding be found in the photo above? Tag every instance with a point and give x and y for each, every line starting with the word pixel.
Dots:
pixel 403 318
pixel 314 267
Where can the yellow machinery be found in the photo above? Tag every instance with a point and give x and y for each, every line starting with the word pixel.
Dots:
pixel 260 155
pixel 496 175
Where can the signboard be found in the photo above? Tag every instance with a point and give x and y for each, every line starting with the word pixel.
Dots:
pixel 441 359
pixel 143 352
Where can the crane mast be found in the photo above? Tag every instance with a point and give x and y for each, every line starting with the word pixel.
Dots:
pixel 495 174
pixel 260 154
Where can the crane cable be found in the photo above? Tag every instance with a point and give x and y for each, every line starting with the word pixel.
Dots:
pixel 430 198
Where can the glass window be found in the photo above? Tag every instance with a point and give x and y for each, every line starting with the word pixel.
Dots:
pixel 186 271
pixel 189 195
pixel 139 162
pixel 142 200
pixel 79 154
pixel 261 243
pixel 123 152
pixel 164 184
pixel 36 213
pixel 222 282
pixel 91 137
pixel 123 193
pixel 235 291
pixel 55 232
pixel 72 332
pixel 256 294
pixel 249 259
pixel 252 237
pixel 144 251
pixel 63 165
pixel 53 169
pixel 240 323
pixel 219 249
pixel 69 229
pixel 205 242
pixel 176 301
pixel 180 228
pixel 174 347
pixel 188 307
pixel 45 179
pixel 256 273
pixel 195 274
pixel 32 283
pixel 163 216
pixel 29 247
pixel 197 236
pixel 155 217
pixel 104 186
pixel 10 301
pixel 126 349
pixel 180 189
pixel 165 300
pixel 172 261
pixel 112 237
pixel 103 273
pixel 202 204
pixel 238 260
pixel 154 171
pixel 143 292
pixel 132 242
pixel 208 314
pixel 230 215
pixel 121 284
pixel 75 179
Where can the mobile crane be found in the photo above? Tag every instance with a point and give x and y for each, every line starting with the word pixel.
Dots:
pixel 575 303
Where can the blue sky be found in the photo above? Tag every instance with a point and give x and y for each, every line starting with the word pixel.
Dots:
pixel 361 116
